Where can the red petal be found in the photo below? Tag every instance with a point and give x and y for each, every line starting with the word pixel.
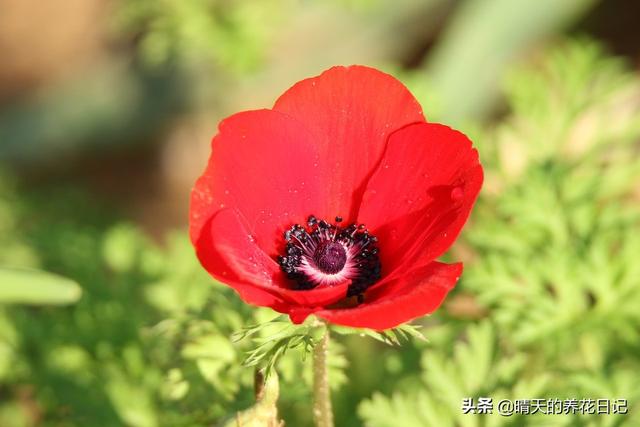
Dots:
pixel 411 298
pixel 230 255
pixel 350 111
pixel 421 194
pixel 318 297
pixel 299 314
pixel 265 165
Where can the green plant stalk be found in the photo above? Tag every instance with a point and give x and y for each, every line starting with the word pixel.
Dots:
pixel 322 412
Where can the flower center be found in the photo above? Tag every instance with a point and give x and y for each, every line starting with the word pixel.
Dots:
pixel 323 254
pixel 330 257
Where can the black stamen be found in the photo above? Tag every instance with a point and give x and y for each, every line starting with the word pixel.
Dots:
pixel 327 249
pixel 311 221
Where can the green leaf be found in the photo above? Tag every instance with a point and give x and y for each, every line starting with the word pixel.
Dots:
pixel 21 286
pixel 394 337
pixel 274 338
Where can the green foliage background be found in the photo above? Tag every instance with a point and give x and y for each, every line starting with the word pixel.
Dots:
pixel 548 305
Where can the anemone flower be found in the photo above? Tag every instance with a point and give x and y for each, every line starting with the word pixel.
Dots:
pixel 336 202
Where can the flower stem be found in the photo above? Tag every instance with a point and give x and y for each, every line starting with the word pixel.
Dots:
pixel 322 412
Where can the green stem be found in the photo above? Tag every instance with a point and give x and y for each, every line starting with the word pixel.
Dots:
pixel 322 412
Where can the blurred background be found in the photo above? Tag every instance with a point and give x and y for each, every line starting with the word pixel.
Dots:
pixel 107 109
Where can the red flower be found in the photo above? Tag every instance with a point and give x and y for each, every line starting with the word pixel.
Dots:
pixel 351 147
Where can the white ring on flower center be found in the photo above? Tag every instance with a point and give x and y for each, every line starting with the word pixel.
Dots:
pixel 320 278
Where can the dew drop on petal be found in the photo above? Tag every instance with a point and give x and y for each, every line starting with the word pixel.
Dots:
pixel 369 194
pixel 457 193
